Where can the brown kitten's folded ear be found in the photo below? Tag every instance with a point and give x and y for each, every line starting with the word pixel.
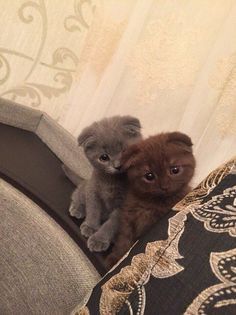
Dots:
pixel 131 126
pixel 87 137
pixel 181 139
pixel 129 157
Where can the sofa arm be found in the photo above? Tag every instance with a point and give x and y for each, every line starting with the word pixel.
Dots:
pixel 42 270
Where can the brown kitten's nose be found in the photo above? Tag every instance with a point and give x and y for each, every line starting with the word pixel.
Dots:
pixel 164 187
pixel 118 168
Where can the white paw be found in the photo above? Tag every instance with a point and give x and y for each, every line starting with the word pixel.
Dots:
pixel 78 213
pixel 97 245
pixel 86 230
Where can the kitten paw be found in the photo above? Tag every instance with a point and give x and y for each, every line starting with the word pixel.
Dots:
pixel 86 230
pixel 97 245
pixel 78 213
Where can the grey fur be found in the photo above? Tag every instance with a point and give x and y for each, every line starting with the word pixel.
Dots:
pixel 99 198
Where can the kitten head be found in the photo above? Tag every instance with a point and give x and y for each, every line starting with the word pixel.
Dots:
pixel 161 165
pixel 104 141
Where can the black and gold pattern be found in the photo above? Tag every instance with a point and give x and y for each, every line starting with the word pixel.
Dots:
pixel 221 295
pixel 206 186
pixel 219 213
pixel 162 274
pixel 159 260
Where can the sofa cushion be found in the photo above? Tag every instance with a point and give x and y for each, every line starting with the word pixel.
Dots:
pixel 185 265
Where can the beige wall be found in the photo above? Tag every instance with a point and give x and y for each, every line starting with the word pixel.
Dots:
pixel 170 63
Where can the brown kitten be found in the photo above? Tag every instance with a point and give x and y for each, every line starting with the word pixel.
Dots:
pixel 159 170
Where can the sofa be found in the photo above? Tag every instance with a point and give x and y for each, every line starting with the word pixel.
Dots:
pixel 186 264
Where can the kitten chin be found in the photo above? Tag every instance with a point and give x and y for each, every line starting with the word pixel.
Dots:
pixel 113 171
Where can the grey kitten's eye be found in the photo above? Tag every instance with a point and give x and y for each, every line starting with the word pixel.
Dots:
pixel 174 170
pixel 149 176
pixel 104 157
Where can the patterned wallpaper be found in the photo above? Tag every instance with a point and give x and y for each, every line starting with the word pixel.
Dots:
pixel 40 44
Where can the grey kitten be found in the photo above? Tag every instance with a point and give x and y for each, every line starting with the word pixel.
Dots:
pixel 99 198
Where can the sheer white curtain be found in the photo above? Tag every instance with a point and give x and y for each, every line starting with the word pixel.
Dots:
pixel 170 63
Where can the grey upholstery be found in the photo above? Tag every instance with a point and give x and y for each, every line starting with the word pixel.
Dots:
pixel 42 270
pixel 63 144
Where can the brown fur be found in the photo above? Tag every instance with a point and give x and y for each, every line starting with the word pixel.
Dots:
pixel 147 201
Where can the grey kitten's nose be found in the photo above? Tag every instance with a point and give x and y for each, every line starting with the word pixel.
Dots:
pixel 116 165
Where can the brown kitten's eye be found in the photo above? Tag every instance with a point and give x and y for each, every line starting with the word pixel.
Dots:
pixel 174 170
pixel 149 176
pixel 104 157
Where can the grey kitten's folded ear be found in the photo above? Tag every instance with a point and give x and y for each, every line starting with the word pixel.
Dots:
pixel 131 126
pixel 87 138
pixel 129 157
pixel 181 139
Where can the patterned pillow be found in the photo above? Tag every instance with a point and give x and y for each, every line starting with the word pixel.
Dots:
pixel 185 265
